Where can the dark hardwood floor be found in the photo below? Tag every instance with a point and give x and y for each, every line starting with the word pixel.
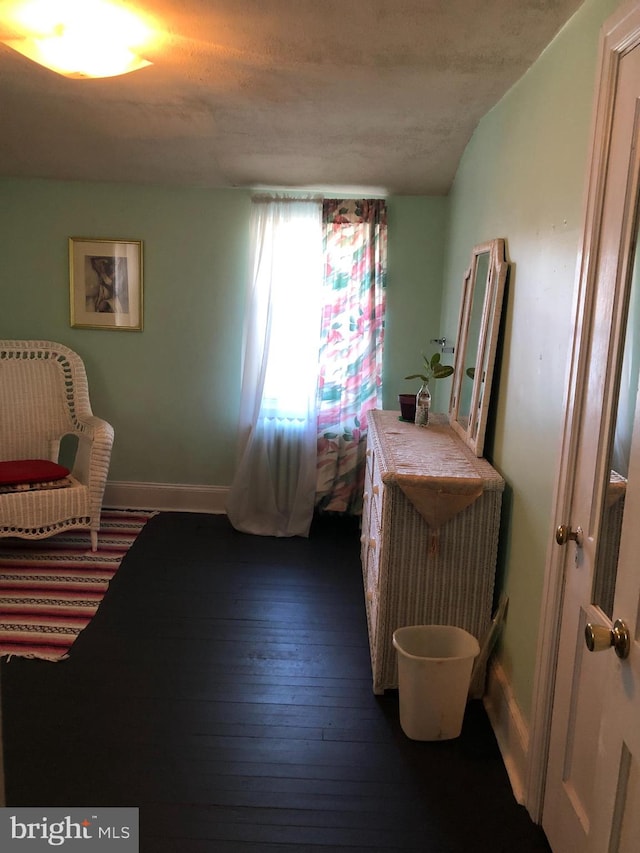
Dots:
pixel 224 688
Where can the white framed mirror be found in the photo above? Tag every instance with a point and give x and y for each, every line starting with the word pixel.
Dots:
pixel 478 328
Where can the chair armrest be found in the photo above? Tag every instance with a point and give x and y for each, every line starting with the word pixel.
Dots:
pixel 91 466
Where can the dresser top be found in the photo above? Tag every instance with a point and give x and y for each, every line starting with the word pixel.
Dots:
pixel 407 452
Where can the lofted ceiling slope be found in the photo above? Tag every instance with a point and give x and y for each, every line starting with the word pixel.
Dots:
pixel 375 95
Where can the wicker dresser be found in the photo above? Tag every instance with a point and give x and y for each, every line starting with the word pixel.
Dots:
pixel 429 542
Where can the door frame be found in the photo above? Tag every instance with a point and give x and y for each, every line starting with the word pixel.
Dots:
pixel 619 34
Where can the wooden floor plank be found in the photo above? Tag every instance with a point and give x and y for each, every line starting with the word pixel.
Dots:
pixel 224 688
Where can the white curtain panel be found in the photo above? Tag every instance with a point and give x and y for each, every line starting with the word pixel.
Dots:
pixel 273 491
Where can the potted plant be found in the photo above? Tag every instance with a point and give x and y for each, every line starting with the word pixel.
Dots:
pixel 419 405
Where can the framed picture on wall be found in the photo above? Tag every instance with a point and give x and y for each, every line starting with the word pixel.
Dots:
pixel 106 283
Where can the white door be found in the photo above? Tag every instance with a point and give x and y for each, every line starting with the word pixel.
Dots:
pixel 615 820
pixel 592 793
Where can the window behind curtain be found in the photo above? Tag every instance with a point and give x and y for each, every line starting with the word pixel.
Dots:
pixel 294 310
pixel 311 283
pixel 273 490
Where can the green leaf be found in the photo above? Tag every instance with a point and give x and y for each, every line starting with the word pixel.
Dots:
pixel 433 369
pixel 442 370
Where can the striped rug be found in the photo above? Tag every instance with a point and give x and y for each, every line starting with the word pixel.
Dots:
pixel 51 588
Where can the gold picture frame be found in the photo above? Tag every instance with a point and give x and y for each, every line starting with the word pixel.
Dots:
pixel 105 279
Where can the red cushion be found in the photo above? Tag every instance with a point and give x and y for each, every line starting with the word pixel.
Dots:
pixel 30 471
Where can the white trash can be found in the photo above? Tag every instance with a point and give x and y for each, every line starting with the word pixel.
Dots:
pixel 434 673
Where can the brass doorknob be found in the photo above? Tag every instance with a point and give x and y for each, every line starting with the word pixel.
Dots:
pixel 599 638
pixel 565 534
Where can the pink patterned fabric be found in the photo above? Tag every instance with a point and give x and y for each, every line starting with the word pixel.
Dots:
pixel 352 339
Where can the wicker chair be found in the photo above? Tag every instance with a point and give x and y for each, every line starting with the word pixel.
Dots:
pixel 44 396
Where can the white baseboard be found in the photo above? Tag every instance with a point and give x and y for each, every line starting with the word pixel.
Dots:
pixel 510 728
pixel 165 496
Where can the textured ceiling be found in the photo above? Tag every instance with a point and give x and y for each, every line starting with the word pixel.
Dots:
pixel 381 95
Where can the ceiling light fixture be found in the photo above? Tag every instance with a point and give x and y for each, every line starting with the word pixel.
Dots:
pixel 77 38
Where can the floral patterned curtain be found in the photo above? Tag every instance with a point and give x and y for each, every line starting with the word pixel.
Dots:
pixel 352 338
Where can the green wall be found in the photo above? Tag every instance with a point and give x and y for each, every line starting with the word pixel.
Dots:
pixel 522 178
pixel 172 391
pixel 414 292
